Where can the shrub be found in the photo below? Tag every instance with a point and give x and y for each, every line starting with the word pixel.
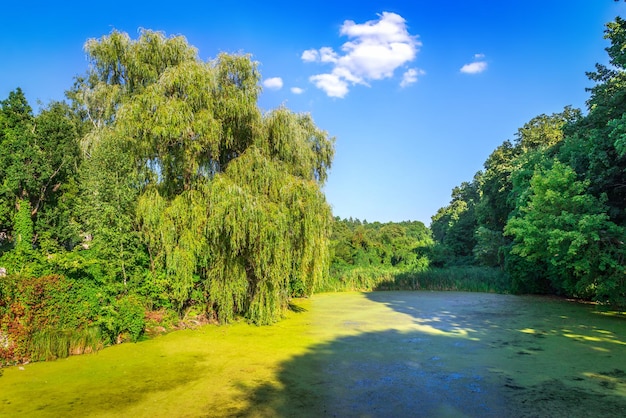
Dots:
pixel 46 317
pixel 123 320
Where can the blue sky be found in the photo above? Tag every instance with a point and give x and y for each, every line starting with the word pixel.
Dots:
pixel 416 93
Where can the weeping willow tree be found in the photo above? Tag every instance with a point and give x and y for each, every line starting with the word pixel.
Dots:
pixel 229 199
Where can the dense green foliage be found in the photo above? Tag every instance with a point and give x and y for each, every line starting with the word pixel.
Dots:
pixel 160 187
pixel 362 244
pixel 49 317
pixel 550 207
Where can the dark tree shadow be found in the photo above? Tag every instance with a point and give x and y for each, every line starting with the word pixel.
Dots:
pixel 463 357
pixel 384 374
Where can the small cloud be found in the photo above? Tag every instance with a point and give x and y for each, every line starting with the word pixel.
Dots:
pixel 476 67
pixel 328 55
pixel 333 85
pixel 374 51
pixel 297 90
pixel 324 54
pixel 310 55
pixel 410 76
pixel 274 83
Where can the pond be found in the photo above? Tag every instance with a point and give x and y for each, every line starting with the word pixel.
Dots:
pixel 378 354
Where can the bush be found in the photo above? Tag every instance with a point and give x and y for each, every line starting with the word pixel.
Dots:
pixel 123 320
pixel 46 317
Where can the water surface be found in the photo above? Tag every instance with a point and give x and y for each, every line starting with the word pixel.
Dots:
pixel 377 354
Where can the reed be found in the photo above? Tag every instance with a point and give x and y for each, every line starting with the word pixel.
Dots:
pixel 460 278
pixel 52 344
pixel 356 279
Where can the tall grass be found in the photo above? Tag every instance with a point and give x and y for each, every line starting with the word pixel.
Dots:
pixel 462 278
pixel 51 344
pixel 356 279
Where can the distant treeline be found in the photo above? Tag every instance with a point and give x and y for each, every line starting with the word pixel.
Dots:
pixel 366 254
pixel 398 256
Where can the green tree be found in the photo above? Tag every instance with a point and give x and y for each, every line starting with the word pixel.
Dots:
pixel 394 244
pixel 595 149
pixel 56 217
pixel 551 205
pixel 507 172
pixel 18 158
pixel 560 225
pixel 24 232
pixel 494 207
pixel 228 199
pixel 545 131
pixel 38 159
pixel 453 226
pixel 109 188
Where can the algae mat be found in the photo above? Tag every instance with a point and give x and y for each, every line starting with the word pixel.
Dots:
pixel 380 354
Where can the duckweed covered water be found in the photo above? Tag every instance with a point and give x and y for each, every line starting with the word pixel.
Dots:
pixel 353 354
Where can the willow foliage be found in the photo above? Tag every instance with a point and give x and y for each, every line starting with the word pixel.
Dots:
pixel 269 232
pixel 229 201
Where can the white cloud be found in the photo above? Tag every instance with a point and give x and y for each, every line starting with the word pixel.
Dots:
pixel 328 55
pixel 297 90
pixel 410 76
pixel 476 67
pixel 375 50
pixel 333 85
pixel 274 83
pixel 310 55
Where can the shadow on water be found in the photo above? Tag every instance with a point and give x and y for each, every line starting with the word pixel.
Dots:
pixel 460 354
pixel 375 374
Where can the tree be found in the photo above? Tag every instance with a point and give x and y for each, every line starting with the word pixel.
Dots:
pixel 110 186
pixel 494 207
pixel 54 207
pixel 595 147
pixel 543 131
pixel 17 156
pixel 560 225
pixel 390 245
pixel 229 202
pixel 38 160
pixel 551 205
pixel 507 172
pixel 453 226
